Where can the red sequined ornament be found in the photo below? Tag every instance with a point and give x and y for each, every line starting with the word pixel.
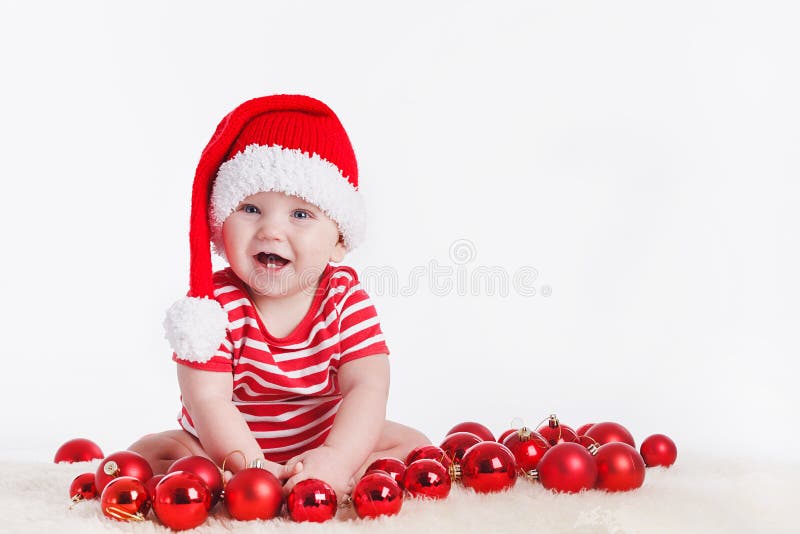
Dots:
pixel 311 500
pixel 390 465
pixel 205 469
pixel 554 432
pixel 528 447
pixel 78 450
pixel 658 450
pixel 487 467
pixel 182 500
pixel 431 452
pixel 609 432
pixel 427 478
pixel 377 494
pixel 567 467
pixel 82 488
pixel 119 464
pixel 125 499
pixel 455 445
pixel 619 467
pixel 253 493
pixel 474 428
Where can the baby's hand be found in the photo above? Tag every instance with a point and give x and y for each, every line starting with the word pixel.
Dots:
pixel 280 471
pixel 323 463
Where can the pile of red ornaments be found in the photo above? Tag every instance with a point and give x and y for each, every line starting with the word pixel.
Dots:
pixel 596 456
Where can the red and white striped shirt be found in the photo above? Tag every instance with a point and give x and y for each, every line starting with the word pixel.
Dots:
pixel 287 388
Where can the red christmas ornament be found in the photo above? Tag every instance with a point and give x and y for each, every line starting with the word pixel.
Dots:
pixel 390 465
pixel 619 467
pixel 78 450
pixel 311 500
pixel 455 445
pixel 567 467
pixel 554 432
pixel 119 464
pixel 505 434
pixel 528 447
pixel 82 488
pixel 658 450
pixel 182 500
pixel 253 493
pixel 431 452
pixel 474 428
pixel 151 484
pixel 427 478
pixel 377 494
pixel 125 499
pixel 583 428
pixel 205 469
pixel 609 432
pixel 487 467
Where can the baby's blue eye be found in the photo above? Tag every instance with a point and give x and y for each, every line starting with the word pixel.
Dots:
pixel 249 208
pixel 301 214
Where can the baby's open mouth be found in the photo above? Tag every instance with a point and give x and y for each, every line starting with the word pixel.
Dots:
pixel 271 261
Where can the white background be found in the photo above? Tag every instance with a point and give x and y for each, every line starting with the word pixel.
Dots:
pixel 641 156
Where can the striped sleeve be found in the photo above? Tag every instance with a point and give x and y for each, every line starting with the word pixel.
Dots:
pixel 360 332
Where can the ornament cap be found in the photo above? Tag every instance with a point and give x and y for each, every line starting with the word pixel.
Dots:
pixel 111 468
pixel 592 448
pixel 552 421
pixel 455 472
pixel 524 433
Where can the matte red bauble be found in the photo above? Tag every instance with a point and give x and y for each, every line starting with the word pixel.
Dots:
pixel 505 434
pixel 488 467
pixel 431 452
pixel 253 493
pixel 78 450
pixel 390 465
pixel 122 464
pixel 125 499
pixel 619 467
pixel 182 500
pixel 475 428
pixel 83 488
pixel 427 478
pixel 554 432
pixel 205 469
pixel 658 450
pixel 455 445
pixel 609 432
pixel 311 500
pixel 377 494
pixel 583 428
pixel 567 467
pixel 528 447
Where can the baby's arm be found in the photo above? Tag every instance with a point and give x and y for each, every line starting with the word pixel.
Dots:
pixel 364 384
pixel 219 424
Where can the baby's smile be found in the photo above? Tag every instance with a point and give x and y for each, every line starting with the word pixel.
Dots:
pixel 271 260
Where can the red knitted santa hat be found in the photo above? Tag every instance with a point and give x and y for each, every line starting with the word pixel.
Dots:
pixel 292 144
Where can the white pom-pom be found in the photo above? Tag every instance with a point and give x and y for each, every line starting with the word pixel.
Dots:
pixel 195 328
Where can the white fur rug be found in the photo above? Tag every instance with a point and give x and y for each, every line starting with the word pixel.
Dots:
pixel 698 494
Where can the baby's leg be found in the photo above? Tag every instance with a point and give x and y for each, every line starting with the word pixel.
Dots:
pixel 396 440
pixel 163 448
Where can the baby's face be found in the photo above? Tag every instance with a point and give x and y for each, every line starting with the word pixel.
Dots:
pixel 279 244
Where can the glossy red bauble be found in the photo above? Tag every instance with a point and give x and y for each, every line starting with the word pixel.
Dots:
pixel 527 447
pixel 658 450
pixel 619 467
pixel 311 500
pixel 557 433
pixel 427 478
pixel 488 467
pixel 583 428
pixel 182 500
pixel 431 452
pixel 505 434
pixel 455 445
pixel 609 432
pixel 125 499
pixel 390 465
pixel 83 488
pixel 122 464
pixel 78 450
pixel 205 469
pixel 377 494
pixel 151 484
pixel 475 428
pixel 567 467
pixel 253 493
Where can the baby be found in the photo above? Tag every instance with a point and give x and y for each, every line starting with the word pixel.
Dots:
pixel 281 355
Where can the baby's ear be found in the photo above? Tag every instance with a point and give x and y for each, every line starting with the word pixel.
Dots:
pixel 339 250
